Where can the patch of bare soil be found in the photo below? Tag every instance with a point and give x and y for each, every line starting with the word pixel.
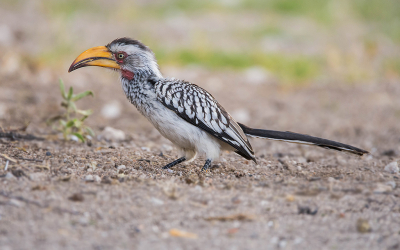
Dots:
pixel 114 195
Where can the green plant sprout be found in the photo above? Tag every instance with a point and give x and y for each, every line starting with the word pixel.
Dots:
pixel 72 121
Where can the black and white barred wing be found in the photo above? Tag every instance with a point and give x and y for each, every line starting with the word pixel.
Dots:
pixel 198 107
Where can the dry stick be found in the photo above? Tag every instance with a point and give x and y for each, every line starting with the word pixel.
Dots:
pixel 15 136
pixel 27 159
pixel 8 158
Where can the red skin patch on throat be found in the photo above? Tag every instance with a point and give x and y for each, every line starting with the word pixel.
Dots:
pixel 127 74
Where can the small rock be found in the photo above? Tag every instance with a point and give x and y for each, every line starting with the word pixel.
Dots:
pixel 392 167
pixel 111 110
pixel 107 180
pixel 282 244
pixel 18 172
pixel 170 171
pixel 156 201
pixel 290 197
pixel 48 153
pixel 16 203
pixel 65 178
pixel 74 138
pixel 89 178
pixel 383 188
pixel 178 233
pixel 112 134
pixel 331 179
pixel 363 226
pixel 76 197
pixel 392 184
pixel 389 152
pixel 121 167
pixel 307 210
pixel 192 179
pixel 97 178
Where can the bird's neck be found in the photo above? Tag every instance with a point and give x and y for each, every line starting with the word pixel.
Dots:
pixel 139 90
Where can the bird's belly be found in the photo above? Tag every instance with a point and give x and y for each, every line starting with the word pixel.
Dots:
pixel 183 134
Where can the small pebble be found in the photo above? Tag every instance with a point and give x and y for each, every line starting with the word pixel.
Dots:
pixel 282 244
pixel 48 153
pixel 392 167
pixel 16 203
pixel 383 188
pixel 392 184
pixel 97 178
pixel 120 167
pixel 74 138
pixel 170 171
pixel 89 177
pixel 363 226
pixel 112 134
pixel 76 197
pixel 156 201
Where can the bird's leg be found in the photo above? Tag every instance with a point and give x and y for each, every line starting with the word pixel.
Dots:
pixel 171 164
pixel 206 165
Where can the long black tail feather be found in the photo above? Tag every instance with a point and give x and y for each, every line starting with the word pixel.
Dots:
pixel 300 138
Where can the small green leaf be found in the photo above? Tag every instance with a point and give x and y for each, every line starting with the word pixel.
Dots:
pixel 81 95
pixel 70 123
pixel 62 88
pixel 85 112
pixel 70 93
pixel 79 136
pixel 90 131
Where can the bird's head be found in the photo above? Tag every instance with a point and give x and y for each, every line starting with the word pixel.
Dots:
pixel 126 55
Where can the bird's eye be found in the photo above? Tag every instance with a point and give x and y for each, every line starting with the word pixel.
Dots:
pixel 120 56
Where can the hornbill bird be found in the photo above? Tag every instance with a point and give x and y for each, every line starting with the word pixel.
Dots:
pixel 187 115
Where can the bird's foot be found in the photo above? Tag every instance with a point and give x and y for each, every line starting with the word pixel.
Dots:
pixel 176 162
pixel 206 165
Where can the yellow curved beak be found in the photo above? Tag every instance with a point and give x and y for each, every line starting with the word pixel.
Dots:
pixel 97 56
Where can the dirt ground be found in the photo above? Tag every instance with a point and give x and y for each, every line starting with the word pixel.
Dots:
pixel 58 194
pixel 69 195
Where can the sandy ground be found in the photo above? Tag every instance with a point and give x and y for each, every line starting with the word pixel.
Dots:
pixel 60 194
pixel 114 195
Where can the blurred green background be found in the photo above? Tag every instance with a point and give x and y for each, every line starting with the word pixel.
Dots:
pixel 292 42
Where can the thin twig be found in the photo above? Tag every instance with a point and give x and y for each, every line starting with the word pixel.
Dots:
pixel 8 158
pixel 27 159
